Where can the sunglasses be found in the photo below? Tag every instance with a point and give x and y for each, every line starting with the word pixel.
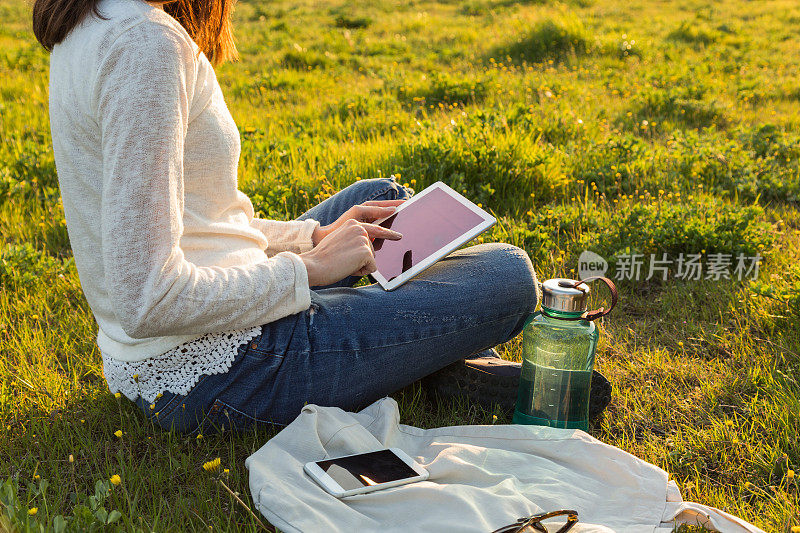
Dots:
pixel 535 523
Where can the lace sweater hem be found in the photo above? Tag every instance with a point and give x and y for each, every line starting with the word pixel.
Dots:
pixel 178 370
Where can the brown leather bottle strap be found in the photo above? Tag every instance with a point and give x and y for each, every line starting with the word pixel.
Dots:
pixel 597 313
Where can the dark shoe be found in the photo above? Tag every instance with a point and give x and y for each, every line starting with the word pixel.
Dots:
pixel 493 382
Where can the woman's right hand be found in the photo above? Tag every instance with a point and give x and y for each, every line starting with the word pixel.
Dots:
pixel 347 251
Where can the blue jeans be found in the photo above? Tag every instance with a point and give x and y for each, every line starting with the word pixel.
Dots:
pixel 356 345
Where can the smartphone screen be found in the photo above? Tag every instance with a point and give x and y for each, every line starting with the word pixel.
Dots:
pixel 427 225
pixel 366 469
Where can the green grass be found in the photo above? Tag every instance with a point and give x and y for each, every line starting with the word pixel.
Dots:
pixel 638 126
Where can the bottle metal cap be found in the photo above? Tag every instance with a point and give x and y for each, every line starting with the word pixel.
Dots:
pixel 560 294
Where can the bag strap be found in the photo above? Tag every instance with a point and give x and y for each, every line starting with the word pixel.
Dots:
pixel 597 313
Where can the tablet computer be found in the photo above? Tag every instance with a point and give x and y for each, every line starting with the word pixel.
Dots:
pixel 433 222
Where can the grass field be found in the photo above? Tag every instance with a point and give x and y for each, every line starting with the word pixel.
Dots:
pixel 646 126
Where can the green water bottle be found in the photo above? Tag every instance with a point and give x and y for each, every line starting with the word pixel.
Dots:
pixel 559 346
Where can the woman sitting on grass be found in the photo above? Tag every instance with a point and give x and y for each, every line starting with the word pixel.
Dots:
pixel 209 316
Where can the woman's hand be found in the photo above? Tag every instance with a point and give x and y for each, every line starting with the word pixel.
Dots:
pixel 346 251
pixel 366 212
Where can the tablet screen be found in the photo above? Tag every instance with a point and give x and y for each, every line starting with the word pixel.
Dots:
pixel 427 225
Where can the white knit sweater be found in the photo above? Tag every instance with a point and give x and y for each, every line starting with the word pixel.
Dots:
pixel 166 246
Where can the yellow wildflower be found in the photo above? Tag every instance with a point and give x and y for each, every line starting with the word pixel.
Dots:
pixel 729 423
pixel 790 474
pixel 115 479
pixel 33 510
pixel 71 458
pixel 118 433
pixel 212 466
pixel 118 395
pixel 199 436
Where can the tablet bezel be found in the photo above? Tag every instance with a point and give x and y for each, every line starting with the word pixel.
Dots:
pixel 488 222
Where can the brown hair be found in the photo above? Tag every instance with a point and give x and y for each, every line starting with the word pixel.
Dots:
pixel 208 22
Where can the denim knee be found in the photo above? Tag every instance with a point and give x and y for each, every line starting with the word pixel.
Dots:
pixel 381 189
pixel 516 268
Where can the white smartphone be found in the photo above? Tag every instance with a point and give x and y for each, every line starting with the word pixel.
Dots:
pixel 434 222
pixel 365 472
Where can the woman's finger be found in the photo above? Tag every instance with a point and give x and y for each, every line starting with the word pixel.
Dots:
pixel 379 232
pixel 384 203
pixel 368 213
pixel 368 268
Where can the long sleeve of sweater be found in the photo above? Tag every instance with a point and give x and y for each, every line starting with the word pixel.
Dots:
pixel 282 236
pixel 143 97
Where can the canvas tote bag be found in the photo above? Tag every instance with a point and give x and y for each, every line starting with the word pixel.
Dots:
pixel 481 478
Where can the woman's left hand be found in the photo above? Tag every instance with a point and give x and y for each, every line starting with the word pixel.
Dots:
pixel 366 212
